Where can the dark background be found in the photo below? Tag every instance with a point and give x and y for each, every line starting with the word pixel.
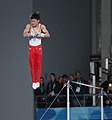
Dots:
pixel 69 23
pixel 16 98
pixel 68 49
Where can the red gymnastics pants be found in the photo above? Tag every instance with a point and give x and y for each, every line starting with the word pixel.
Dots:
pixel 35 57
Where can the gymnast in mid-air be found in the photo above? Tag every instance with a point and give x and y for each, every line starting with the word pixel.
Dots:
pixel 35 31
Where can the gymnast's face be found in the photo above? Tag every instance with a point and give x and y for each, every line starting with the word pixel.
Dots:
pixel 34 22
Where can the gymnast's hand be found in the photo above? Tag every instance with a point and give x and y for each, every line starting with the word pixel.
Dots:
pixel 35 36
pixel 40 35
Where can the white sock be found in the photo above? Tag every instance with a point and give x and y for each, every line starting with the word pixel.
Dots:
pixel 35 85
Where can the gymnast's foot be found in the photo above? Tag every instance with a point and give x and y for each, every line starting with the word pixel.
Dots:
pixel 35 85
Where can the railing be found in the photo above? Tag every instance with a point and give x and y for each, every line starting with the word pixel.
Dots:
pixel 84 100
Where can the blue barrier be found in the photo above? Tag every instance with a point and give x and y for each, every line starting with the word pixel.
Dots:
pixel 90 113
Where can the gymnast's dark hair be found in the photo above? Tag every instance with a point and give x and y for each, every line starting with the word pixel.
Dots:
pixel 35 15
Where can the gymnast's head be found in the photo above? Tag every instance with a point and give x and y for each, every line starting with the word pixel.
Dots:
pixel 35 18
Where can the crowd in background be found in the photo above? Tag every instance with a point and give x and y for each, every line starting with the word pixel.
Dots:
pixel 58 85
pixel 55 84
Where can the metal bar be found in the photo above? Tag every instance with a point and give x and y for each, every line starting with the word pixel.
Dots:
pixel 68 100
pixel 102 104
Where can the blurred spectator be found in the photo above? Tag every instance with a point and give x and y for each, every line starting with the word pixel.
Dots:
pixel 71 77
pixel 52 86
pixel 64 80
pixel 41 89
pixel 90 79
pixel 79 90
pixel 109 93
pixel 63 97
pixel 90 82
pixel 106 83
pixel 90 89
pixel 52 89
pixel 60 79
pixel 60 82
pixel 107 87
pixel 38 94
